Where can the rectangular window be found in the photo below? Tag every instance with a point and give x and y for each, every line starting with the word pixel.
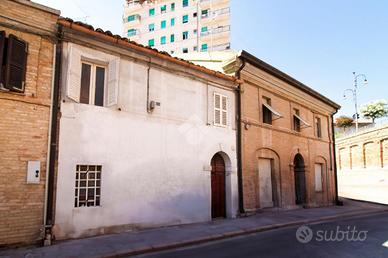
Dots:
pixel 163 24
pixel 318 177
pixel 173 7
pixel 132 18
pixel 204 47
pixel 151 42
pixel 204 29
pixel 205 13
pixel 172 38
pixel 87 186
pixel 185 50
pixel 296 121
pixel 163 40
pixel 220 110
pixel 151 12
pixel 185 35
pixel 195 15
pixel 267 114
pixel 318 127
pixel 185 3
pixel 151 27
pixel 195 48
pixel 92 84
pixel 185 19
pixel 172 22
pixel 131 32
pixel 163 9
pixel 13 63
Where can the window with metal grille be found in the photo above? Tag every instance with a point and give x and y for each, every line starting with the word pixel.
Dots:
pixel 220 110
pixel 88 186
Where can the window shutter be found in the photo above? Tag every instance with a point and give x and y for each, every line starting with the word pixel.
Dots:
pixel 74 69
pixel 113 82
pixel 2 45
pixel 217 109
pixel 15 70
pixel 224 111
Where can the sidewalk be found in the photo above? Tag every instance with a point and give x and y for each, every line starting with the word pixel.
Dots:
pixel 139 242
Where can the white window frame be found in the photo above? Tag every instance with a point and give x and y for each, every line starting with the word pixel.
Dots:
pixel 221 110
pixel 92 86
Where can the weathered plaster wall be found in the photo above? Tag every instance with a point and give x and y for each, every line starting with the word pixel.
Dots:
pixel 155 167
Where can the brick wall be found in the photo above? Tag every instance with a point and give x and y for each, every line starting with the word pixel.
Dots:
pixel 24 123
pixel 280 143
pixel 365 150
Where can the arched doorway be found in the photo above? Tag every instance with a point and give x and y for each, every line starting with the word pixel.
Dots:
pixel 300 180
pixel 218 187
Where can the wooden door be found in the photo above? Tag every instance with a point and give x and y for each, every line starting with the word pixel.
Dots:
pixel 265 183
pixel 300 181
pixel 218 187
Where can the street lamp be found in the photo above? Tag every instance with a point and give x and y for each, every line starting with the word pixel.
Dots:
pixel 354 92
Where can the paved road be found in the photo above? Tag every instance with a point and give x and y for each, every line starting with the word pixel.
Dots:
pixel 283 242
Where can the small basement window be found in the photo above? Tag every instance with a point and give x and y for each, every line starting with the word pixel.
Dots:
pixel 87 186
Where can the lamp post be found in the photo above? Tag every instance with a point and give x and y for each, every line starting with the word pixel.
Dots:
pixel 354 92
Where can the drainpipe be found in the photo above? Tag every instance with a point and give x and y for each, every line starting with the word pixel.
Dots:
pixel 149 108
pixel 239 145
pixel 53 142
pixel 337 201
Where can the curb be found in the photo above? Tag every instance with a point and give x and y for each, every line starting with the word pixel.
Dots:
pixel 227 235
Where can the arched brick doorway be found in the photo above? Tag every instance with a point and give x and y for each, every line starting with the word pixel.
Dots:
pixel 218 200
pixel 300 180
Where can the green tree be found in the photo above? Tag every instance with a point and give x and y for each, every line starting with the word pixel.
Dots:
pixel 374 110
pixel 344 122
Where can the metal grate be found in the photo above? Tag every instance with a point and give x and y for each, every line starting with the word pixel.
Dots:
pixel 87 186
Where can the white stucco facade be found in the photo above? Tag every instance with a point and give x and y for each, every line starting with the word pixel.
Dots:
pixel 155 165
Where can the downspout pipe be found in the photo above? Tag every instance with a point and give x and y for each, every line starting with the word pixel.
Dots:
pixel 49 216
pixel 239 144
pixel 337 201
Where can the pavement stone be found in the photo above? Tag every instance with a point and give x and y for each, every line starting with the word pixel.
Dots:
pixel 139 242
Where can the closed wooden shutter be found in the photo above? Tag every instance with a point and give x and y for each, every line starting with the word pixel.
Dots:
pixel 224 111
pixel 2 46
pixel 74 69
pixel 113 82
pixel 217 109
pixel 15 71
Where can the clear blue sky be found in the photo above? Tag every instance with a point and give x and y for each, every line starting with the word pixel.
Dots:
pixel 319 43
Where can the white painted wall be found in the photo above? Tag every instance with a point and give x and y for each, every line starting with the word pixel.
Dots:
pixel 155 167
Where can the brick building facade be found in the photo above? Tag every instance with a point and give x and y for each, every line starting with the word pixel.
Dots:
pixel 27 38
pixel 286 140
pixel 365 150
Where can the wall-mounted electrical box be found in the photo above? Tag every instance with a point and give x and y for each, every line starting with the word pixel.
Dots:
pixel 33 172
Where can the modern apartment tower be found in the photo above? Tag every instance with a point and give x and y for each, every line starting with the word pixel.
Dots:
pixel 179 26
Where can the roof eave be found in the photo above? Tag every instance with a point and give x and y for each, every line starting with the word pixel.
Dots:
pixel 286 78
